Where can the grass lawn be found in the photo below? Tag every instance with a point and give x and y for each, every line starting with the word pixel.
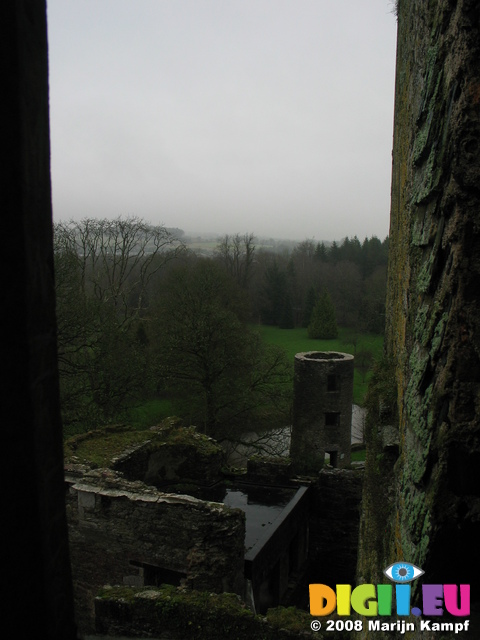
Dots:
pixel 358 456
pixel 292 341
pixel 296 341
pixel 150 413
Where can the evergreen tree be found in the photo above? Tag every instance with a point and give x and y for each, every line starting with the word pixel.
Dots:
pixel 286 319
pixel 323 324
pixel 309 305
pixel 321 253
pixel 334 253
pixel 274 291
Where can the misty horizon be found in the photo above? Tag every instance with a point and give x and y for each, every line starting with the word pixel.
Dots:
pixel 271 117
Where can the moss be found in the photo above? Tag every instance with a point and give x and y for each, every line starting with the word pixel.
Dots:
pixel 289 618
pixel 123 594
pixel 416 402
pixel 416 551
pixel 168 598
pixel 421 322
pixel 438 334
pixel 431 318
pixel 420 143
pixel 414 511
pixel 382 387
pixel 189 436
pixel 424 542
pixel 377 519
pixel 99 448
pixel 424 275
pixel 194 615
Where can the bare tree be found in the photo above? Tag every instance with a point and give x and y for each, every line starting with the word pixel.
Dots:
pixel 271 444
pixel 208 356
pixel 102 272
pixel 115 259
pixel 236 255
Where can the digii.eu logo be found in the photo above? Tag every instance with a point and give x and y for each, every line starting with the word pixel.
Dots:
pixel 394 599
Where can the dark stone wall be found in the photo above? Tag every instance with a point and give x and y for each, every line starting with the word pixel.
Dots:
pixel 335 501
pixel 323 386
pixel 114 523
pixel 38 601
pixel 173 615
pixel 433 310
pixel 173 456
pixel 274 565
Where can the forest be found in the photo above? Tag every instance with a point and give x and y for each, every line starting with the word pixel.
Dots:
pixel 145 321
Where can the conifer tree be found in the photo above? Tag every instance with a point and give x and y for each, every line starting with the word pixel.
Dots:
pixel 287 320
pixel 323 323
pixel 309 305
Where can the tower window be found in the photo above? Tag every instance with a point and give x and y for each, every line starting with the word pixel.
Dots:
pixel 333 458
pixel 332 383
pixel 332 419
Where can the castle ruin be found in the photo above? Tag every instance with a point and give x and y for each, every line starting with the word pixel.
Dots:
pixel 322 410
pixel 432 330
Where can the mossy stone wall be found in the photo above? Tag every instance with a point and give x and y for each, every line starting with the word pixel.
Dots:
pixel 335 503
pixel 128 533
pixel 432 492
pixel 192 615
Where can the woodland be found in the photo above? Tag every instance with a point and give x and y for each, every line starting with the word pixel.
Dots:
pixel 145 320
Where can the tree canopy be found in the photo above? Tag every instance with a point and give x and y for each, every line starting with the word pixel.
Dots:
pixel 140 317
pixel 323 324
pixel 209 356
pixel 103 269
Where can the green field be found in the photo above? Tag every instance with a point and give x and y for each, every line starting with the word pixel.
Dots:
pixel 149 413
pixel 292 341
pixel 358 344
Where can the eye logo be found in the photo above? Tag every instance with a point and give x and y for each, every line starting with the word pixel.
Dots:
pixel 403 572
pixel 379 600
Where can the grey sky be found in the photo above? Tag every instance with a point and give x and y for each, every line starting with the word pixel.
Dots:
pixel 266 116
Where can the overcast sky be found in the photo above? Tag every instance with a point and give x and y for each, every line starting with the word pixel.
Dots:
pixel 273 117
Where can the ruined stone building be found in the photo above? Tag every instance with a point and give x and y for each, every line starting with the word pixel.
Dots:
pixel 421 497
pixel 161 512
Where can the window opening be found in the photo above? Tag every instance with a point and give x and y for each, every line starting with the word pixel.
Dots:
pixel 332 419
pixel 333 458
pixel 154 575
pixel 332 384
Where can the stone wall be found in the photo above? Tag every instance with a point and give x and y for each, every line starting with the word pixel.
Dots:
pixel 433 318
pixel 125 532
pixel 335 502
pixel 322 410
pixel 173 456
pixel 276 562
pixel 172 614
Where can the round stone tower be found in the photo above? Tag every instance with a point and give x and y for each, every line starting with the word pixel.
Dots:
pixel 322 410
